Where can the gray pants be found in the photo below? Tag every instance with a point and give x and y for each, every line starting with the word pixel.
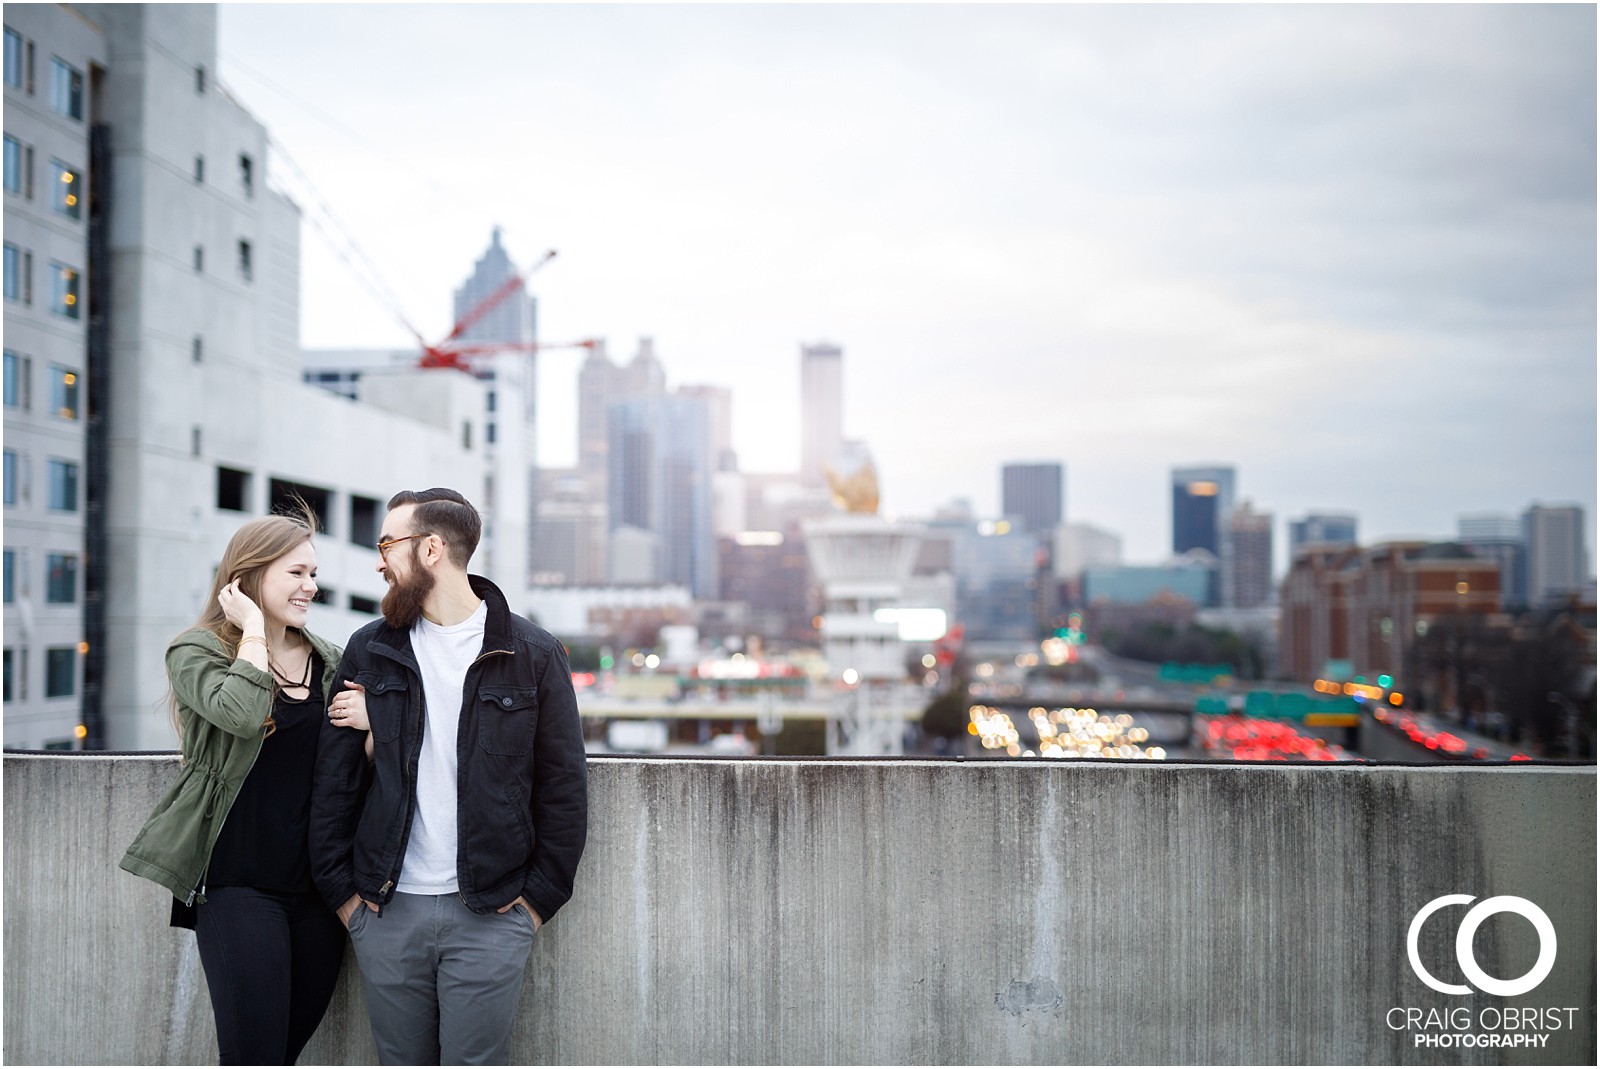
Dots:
pixel 442 982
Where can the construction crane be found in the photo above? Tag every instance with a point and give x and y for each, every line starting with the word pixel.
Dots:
pixel 449 353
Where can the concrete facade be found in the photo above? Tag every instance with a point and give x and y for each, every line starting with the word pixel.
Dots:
pixel 903 912
pixel 46 361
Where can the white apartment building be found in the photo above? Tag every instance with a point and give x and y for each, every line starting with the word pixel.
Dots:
pixel 54 96
pixel 203 420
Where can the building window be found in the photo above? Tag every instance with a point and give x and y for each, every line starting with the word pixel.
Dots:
pixel 200 80
pixel 66 88
pixel 198 349
pixel 466 434
pixel 11 478
pixel 364 521
pixel 60 672
pixel 61 579
pixel 13 391
pixel 246 270
pixel 13 58
pixel 13 165
pixel 199 258
pixel 488 434
pixel 63 392
pixel 63 486
pixel 369 606
pixel 233 489
pixel 11 576
pixel 8 658
pixel 66 189
pixel 13 272
pixel 64 290
pixel 194 440
pixel 247 175
pixel 282 495
pixel 199 169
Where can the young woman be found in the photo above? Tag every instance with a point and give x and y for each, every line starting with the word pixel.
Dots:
pixel 249 686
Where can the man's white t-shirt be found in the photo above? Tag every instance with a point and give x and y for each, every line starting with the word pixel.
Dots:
pixel 444 654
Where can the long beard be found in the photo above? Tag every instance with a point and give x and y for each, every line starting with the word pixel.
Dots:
pixel 402 605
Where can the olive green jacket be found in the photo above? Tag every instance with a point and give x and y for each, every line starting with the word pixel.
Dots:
pixel 223 704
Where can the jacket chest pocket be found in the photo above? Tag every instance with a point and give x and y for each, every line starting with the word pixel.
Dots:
pixel 386 704
pixel 506 719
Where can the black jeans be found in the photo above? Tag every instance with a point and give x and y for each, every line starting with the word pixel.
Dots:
pixel 271 962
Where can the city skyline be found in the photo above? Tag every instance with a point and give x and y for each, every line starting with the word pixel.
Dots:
pixel 1347 251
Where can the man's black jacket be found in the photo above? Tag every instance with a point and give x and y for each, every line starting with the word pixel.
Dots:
pixel 521 781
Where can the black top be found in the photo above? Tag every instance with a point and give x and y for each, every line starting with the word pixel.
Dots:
pixel 263 844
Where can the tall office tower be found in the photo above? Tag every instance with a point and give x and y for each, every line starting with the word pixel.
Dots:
pixel 1498 536
pixel 1202 498
pixel 719 406
pixel 1322 528
pixel 601 384
pixel 661 482
pixel 1250 537
pixel 56 163
pixel 146 421
pixel 510 508
pixel 1080 545
pixel 1487 526
pixel 821 409
pixel 1032 493
pixel 1557 559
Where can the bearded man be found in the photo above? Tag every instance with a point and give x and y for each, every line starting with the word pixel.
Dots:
pixel 463 839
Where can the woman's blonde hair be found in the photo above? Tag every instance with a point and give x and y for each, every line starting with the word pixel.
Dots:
pixel 252 547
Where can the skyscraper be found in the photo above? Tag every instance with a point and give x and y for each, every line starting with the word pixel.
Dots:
pixel 1557 559
pixel 661 482
pixel 1250 540
pixel 511 407
pixel 1202 499
pixel 1322 528
pixel 1498 536
pixel 821 409
pixel 1032 493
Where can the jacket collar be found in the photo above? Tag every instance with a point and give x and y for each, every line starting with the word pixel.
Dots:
pixel 395 642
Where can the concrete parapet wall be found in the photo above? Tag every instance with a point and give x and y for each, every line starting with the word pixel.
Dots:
pixel 903 912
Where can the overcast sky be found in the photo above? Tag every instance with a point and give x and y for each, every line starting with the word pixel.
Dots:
pixel 1348 249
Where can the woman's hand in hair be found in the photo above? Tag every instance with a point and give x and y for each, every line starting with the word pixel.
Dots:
pixel 241 612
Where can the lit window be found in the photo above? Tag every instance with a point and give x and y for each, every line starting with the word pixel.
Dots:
pixel 64 291
pixel 13 165
pixel 66 190
pixel 64 392
pixel 66 88
pixel 13 58
pixel 63 486
pixel 61 579
pixel 60 672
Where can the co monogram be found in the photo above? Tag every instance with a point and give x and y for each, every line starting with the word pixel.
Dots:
pixel 1469 927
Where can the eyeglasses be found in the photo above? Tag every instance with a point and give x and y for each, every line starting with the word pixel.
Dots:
pixel 383 547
